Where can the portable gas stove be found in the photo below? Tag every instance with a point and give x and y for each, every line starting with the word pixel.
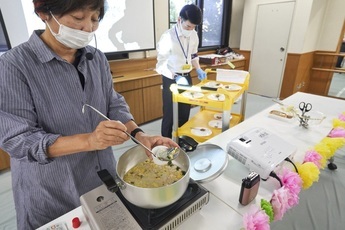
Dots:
pixel 106 210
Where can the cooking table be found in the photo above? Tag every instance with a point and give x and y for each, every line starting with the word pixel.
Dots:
pixel 223 210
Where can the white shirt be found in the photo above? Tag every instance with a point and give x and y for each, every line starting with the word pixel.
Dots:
pixel 170 55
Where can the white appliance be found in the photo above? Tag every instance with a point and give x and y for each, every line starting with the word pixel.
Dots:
pixel 260 150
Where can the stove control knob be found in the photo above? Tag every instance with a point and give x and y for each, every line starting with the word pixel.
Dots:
pixel 76 222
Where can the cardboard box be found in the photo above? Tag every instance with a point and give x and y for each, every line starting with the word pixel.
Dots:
pixel 212 59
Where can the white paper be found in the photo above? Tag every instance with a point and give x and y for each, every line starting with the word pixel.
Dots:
pixel 234 76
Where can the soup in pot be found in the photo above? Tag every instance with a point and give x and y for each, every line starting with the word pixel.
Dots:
pixel 148 174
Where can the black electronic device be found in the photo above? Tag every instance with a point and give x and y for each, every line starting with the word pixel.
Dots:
pixel 187 143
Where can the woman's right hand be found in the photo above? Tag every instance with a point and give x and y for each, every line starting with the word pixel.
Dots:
pixel 108 133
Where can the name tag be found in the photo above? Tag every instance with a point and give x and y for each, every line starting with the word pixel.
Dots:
pixel 186 67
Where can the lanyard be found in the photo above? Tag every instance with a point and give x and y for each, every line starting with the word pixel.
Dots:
pixel 184 52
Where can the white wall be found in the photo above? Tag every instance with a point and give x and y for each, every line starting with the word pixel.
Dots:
pixel 161 18
pixel 311 34
pixel 299 26
pixel 316 24
pixel 236 23
pixel 13 15
pixel 249 21
pixel 332 26
pixel 161 24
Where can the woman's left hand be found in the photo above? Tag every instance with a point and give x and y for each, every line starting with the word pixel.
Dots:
pixel 152 141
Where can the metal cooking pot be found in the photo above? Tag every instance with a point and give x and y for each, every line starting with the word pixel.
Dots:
pixel 150 197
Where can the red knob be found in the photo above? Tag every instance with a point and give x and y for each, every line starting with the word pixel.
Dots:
pixel 76 222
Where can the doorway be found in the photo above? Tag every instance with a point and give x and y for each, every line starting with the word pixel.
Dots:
pixel 337 86
pixel 269 50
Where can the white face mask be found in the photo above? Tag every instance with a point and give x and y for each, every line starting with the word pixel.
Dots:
pixel 185 33
pixel 72 38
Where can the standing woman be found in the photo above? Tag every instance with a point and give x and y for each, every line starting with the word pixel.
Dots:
pixel 56 150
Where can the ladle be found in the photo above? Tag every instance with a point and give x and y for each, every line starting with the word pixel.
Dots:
pixel 165 155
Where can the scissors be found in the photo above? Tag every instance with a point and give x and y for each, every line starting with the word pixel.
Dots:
pixel 305 107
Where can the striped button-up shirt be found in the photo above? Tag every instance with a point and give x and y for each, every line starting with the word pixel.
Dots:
pixel 41 98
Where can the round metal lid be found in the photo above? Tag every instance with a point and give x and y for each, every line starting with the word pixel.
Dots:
pixel 208 161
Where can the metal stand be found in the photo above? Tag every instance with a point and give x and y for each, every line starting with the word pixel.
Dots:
pixel 331 164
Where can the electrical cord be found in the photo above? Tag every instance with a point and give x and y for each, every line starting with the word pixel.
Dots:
pixel 273 174
pixel 289 160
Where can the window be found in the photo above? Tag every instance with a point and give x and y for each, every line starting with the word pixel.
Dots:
pixel 216 20
pixel 174 9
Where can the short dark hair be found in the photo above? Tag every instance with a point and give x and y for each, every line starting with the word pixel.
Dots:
pixel 192 13
pixel 64 7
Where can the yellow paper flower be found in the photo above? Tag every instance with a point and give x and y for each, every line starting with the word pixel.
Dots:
pixel 338 123
pixel 309 173
pixel 333 143
pixel 324 150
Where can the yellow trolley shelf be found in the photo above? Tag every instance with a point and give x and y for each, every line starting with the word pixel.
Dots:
pixel 212 101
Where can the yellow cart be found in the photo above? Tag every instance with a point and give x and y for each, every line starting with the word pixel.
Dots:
pixel 213 101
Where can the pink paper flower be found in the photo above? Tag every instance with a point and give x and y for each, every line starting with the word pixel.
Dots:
pixel 342 117
pixel 256 219
pixel 337 132
pixel 279 201
pixel 293 183
pixel 314 157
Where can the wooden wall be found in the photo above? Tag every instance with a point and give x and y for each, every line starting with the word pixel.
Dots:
pixel 246 54
pixel 302 72
pixel 129 65
pixel 320 79
pixel 4 160
pixel 296 74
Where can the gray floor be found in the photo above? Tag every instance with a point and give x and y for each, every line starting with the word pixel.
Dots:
pixel 254 104
pixel 337 87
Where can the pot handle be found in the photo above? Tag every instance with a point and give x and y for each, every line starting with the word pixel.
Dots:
pixel 108 180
